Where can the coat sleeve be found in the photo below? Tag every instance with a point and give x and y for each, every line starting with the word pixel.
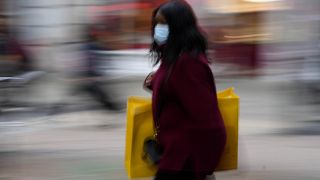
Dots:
pixel 194 87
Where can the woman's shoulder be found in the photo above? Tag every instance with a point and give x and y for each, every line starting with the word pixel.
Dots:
pixel 194 67
pixel 192 59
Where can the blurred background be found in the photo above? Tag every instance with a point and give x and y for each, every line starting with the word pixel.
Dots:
pixel 68 66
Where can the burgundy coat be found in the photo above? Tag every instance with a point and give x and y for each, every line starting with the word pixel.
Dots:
pixel 192 131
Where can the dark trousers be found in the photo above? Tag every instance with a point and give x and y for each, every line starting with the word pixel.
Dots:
pixel 182 175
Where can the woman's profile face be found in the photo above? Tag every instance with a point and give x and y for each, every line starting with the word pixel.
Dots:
pixel 159 19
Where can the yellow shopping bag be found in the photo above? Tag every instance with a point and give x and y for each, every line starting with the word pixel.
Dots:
pixel 229 107
pixel 140 126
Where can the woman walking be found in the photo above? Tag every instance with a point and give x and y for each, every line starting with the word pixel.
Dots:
pixel 190 128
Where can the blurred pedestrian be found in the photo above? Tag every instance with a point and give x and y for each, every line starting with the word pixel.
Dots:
pixel 13 57
pixel 189 127
pixel 92 84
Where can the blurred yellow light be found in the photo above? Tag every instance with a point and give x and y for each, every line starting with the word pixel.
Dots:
pixel 261 1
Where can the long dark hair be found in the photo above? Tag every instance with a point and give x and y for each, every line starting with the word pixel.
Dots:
pixel 184 33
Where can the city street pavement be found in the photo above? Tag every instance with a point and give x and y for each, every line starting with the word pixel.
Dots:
pixel 278 140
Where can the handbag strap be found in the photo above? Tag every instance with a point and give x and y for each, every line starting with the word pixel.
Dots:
pixel 161 101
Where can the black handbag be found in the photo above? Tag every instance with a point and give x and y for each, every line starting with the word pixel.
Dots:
pixel 152 151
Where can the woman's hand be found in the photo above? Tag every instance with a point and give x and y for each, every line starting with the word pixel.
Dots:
pixel 148 80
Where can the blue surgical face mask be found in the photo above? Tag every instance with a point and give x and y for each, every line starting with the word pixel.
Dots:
pixel 161 33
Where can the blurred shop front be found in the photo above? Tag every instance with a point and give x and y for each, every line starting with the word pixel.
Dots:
pixel 238 29
pixel 124 24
